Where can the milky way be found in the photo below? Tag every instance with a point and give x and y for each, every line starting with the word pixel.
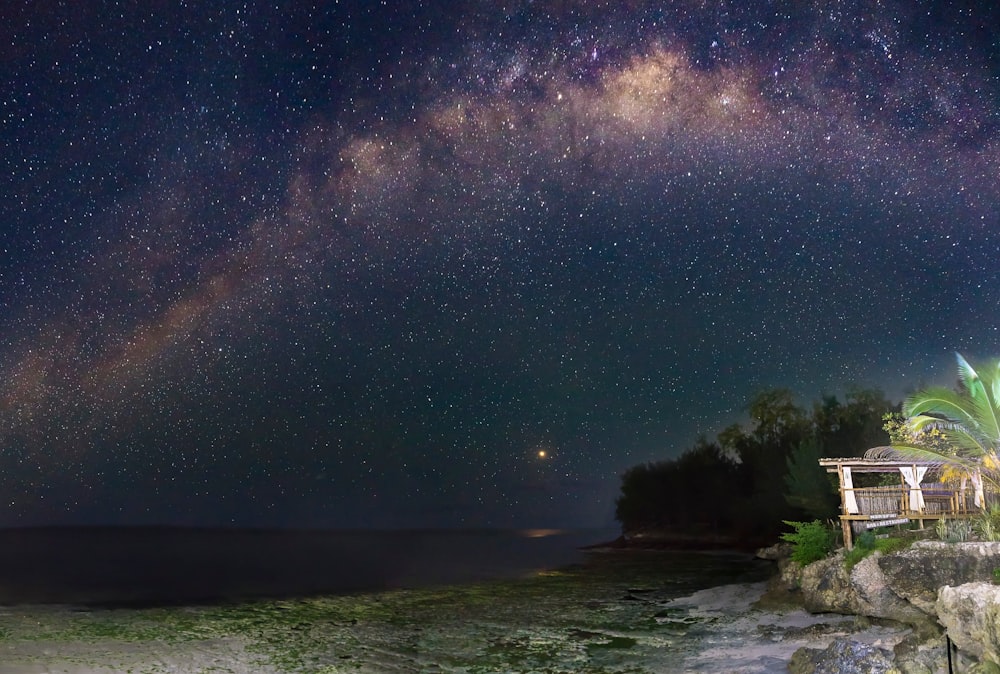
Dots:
pixel 359 266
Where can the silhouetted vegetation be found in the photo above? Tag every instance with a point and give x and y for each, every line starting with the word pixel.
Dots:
pixel 749 480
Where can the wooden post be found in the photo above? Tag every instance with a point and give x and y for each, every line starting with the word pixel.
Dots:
pixel 845 524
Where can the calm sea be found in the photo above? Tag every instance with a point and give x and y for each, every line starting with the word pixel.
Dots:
pixel 154 566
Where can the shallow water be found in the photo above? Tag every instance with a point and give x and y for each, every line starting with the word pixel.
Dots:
pixel 613 612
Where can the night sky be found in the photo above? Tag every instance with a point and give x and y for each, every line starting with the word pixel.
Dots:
pixel 356 264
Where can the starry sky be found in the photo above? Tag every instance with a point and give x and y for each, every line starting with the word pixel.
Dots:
pixel 459 264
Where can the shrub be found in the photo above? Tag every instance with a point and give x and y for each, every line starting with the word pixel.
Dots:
pixel 866 543
pixel 956 531
pixel 987 525
pixel 811 541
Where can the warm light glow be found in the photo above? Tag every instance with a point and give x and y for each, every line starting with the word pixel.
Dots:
pixel 542 454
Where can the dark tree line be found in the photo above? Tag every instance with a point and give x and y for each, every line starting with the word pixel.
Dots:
pixel 748 480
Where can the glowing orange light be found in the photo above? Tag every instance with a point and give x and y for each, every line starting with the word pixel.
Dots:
pixel 542 453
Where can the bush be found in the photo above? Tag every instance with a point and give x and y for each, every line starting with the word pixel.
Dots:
pixel 955 531
pixel 866 543
pixel 811 541
pixel 987 525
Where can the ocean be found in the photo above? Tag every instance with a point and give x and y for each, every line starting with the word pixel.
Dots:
pixel 85 600
pixel 172 566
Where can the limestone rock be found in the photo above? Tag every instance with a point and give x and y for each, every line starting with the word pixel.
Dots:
pixel 904 587
pixel 776 552
pixel 843 656
pixel 917 655
pixel 916 573
pixel 828 587
pixel 971 615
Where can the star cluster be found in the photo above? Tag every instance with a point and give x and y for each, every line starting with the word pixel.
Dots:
pixel 359 264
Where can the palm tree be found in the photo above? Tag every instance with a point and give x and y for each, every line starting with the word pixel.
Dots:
pixel 958 428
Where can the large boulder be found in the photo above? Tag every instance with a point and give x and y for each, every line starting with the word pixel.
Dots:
pixel 828 587
pixel 915 654
pixel 916 573
pixel 971 615
pixel 843 656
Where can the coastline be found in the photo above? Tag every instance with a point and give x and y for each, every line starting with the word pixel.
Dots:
pixel 509 626
pixel 662 539
pixel 650 612
pixel 638 603
pixel 560 617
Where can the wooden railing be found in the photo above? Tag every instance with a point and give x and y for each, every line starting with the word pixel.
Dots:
pixel 939 501
pixel 880 500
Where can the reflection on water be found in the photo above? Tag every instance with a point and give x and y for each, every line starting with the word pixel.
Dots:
pixel 541 533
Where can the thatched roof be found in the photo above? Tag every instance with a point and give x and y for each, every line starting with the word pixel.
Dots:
pixel 888 453
pixel 881 459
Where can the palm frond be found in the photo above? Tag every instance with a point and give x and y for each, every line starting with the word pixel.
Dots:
pixel 994 381
pixel 966 373
pixel 983 408
pixel 940 402
pixel 926 455
pixel 965 443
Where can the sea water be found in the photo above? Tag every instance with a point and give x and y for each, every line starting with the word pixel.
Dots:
pixel 445 601
pixel 163 566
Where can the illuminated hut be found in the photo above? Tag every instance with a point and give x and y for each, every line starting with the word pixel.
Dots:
pixel 899 489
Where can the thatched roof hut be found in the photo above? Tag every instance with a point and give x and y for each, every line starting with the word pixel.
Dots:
pixel 918 493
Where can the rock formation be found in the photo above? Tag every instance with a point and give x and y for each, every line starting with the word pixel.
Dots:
pixel 935 588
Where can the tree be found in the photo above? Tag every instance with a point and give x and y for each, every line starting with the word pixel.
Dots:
pixel 751 479
pixel 965 422
pixel 688 493
pixel 808 486
pixel 851 428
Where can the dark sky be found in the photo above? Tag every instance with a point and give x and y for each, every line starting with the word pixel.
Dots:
pixel 354 264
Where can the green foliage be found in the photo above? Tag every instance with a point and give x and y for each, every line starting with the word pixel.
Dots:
pixel 684 494
pixel 752 478
pixel 811 541
pixel 808 487
pixel 850 428
pixel 953 531
pixel 866 539
pixel 996 575
pixel 987 525
pixel 866 543
pixel 965 423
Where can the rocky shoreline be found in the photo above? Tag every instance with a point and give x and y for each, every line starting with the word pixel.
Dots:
pixel 940 596
pixel 642 611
